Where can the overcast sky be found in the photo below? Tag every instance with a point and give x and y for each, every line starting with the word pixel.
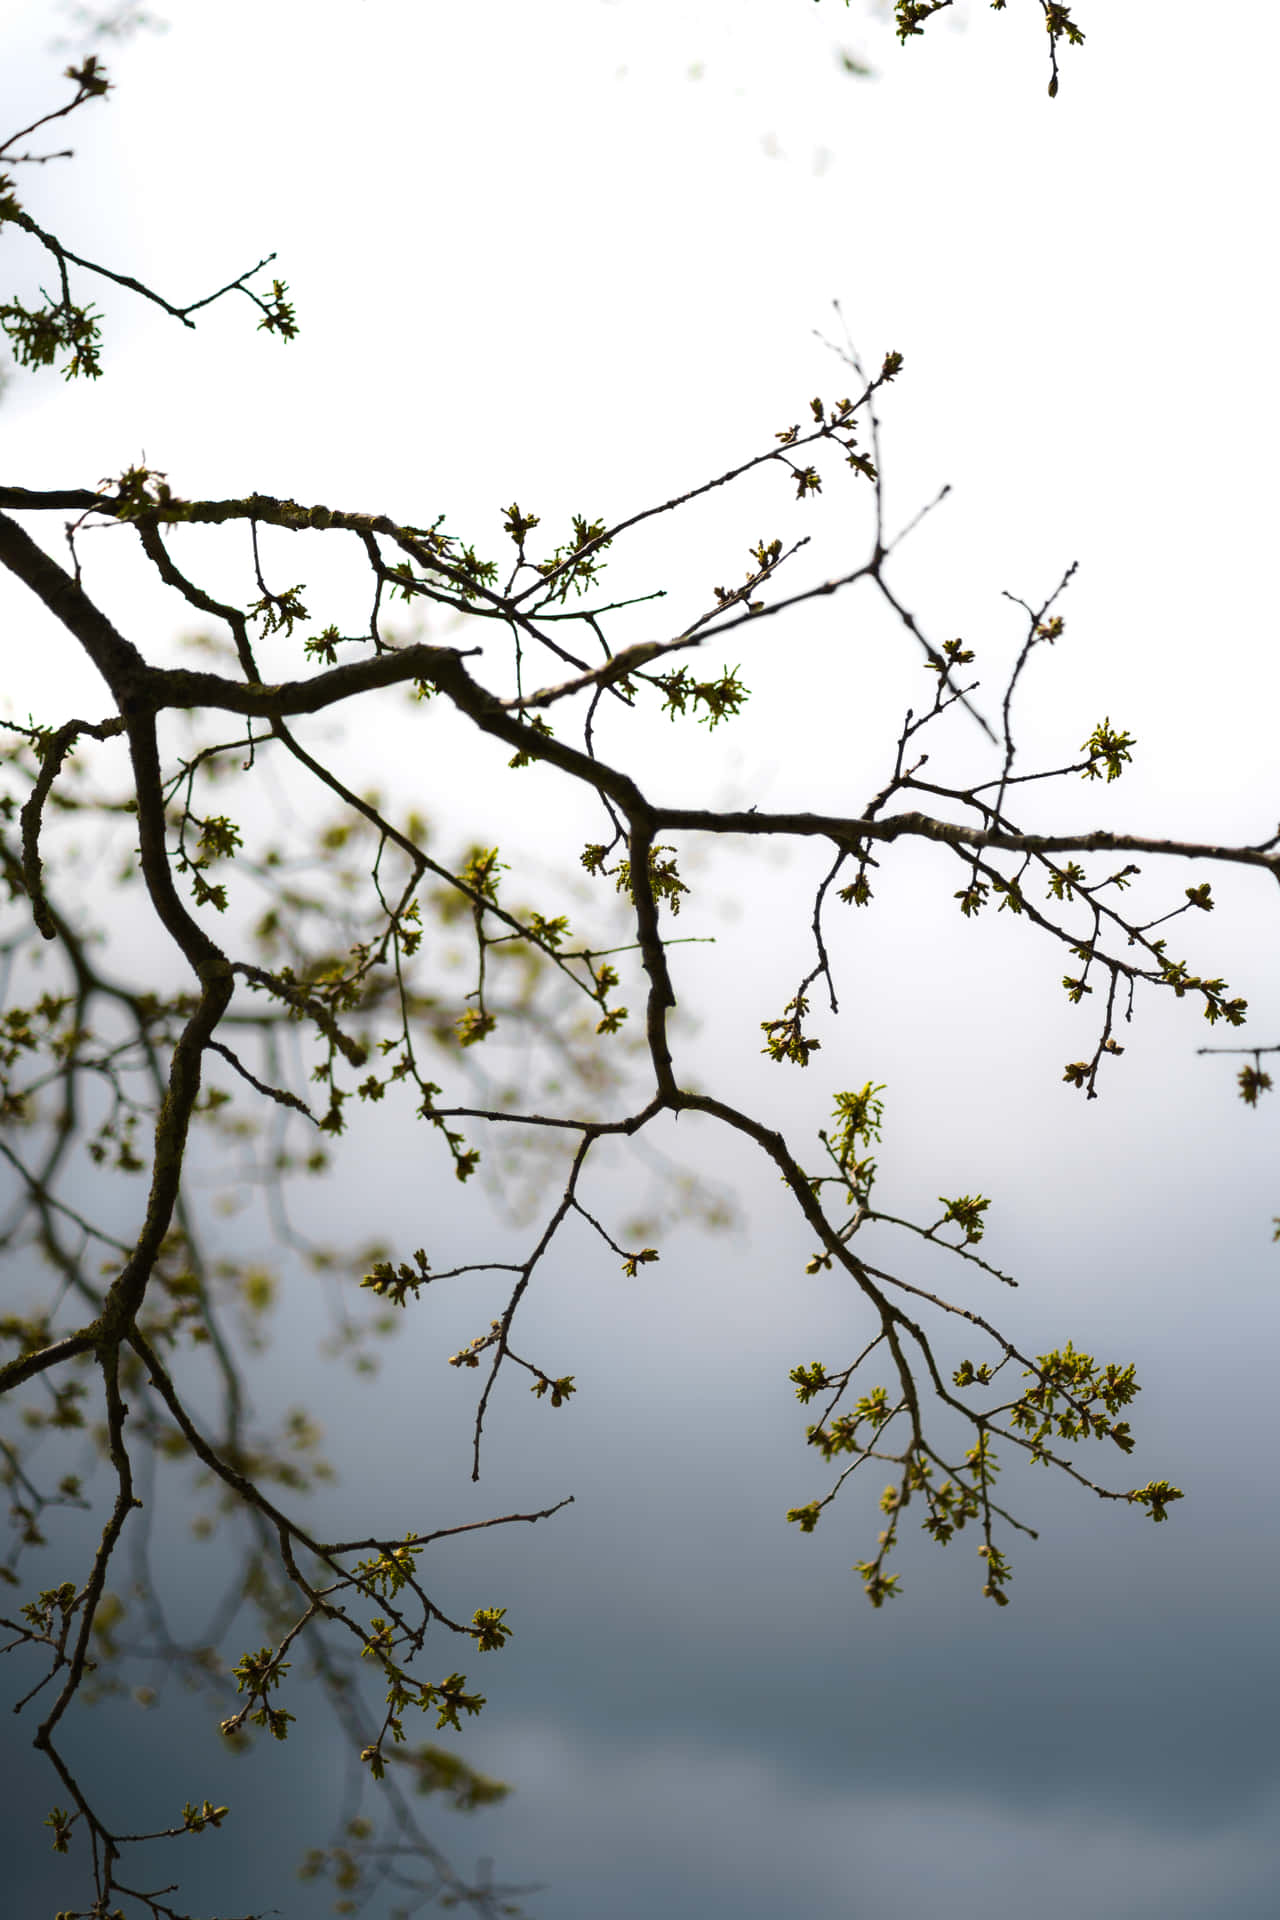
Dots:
pixel 574 254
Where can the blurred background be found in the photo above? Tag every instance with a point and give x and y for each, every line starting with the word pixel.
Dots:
pixel 576 256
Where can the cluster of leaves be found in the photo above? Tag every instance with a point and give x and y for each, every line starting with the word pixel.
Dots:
pixel 39 335
pixel 712 700
pixel 1070 1398
pixel 911 17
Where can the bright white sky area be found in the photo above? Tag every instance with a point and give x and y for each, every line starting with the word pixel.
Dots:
pixel 574 254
